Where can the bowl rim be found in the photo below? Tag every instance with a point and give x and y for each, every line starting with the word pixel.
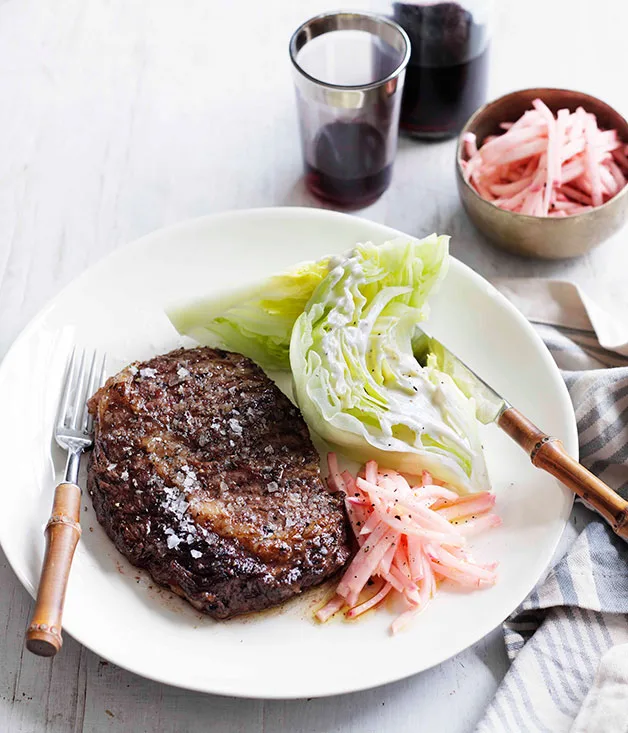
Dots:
pixel 556 220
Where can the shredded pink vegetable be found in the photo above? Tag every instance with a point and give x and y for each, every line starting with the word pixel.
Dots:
pixel 408 538
pixel 547 166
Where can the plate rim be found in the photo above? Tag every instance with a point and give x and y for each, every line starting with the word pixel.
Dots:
pixel 570 439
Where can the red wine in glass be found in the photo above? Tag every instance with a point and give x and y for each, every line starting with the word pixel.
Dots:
pixel 348 167
pixel 447 77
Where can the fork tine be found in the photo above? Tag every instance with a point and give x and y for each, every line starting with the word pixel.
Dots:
pixel 81 399
pixel 69 379
pixel 76 406
pixel 96 374
pixel 101 380
pixel 103 371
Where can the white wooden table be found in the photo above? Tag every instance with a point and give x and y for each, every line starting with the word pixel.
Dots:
pixel 122 116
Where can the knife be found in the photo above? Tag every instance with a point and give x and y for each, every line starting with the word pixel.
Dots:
pixel 546 452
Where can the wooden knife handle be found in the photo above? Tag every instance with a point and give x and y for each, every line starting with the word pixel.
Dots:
pixel 549 454
pixel 43 636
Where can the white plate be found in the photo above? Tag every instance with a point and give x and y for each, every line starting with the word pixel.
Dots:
pixel 117 612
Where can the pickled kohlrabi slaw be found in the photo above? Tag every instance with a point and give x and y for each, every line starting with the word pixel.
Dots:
pixel 410 536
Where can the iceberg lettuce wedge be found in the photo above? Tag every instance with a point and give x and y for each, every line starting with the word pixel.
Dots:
pixel 345 327
pixel 356 379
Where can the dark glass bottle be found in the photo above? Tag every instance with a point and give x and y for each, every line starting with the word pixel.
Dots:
pixel 447 77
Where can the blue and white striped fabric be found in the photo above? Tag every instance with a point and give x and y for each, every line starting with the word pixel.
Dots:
pixel 568 641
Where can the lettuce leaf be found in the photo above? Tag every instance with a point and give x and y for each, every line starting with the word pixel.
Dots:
pixel 356 379
pixel 255 321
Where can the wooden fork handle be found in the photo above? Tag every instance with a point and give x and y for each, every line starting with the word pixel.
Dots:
pixel 43 636
pixel 549 454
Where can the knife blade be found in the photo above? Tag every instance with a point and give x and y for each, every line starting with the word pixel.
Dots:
pixel 489 403
pixel 546 452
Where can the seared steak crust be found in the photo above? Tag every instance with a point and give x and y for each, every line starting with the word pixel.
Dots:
pixel 203 473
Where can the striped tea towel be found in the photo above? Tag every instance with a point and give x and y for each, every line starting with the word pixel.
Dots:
pixel 568 641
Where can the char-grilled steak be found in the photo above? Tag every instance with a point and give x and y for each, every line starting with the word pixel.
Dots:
pixel 203 473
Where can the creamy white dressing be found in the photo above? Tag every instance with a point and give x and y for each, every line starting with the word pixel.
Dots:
pixel 421 412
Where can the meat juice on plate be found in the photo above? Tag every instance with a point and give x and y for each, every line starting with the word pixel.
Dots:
pixel 447 77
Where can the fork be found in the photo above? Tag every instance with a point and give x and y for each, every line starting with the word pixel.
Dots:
pixel 74 433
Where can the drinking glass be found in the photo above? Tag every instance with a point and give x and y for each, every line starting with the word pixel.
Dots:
pixel 447 77
pixel 349 70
